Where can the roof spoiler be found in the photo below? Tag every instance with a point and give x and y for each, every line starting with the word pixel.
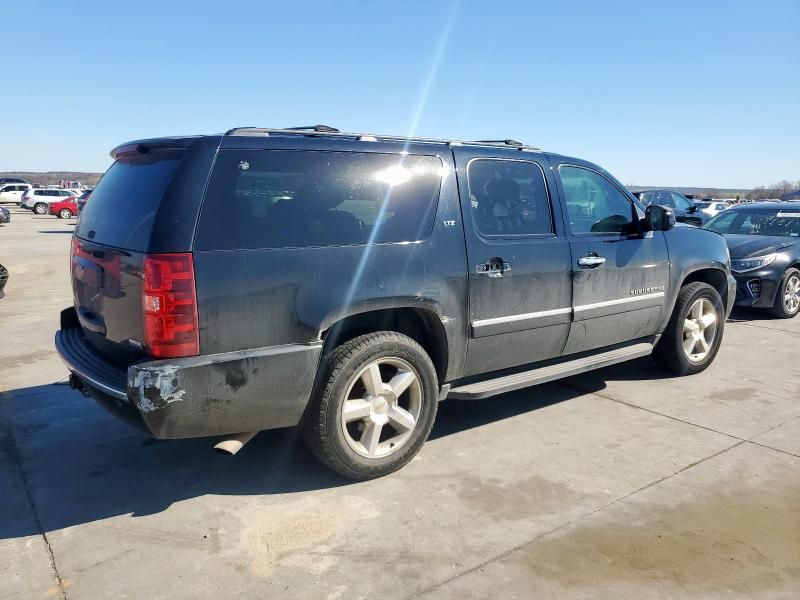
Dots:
pixel 146 146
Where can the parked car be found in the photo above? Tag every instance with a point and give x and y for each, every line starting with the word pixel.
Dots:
pixel 64 209
pixel 764 242
pixel 3 280
pixel 685 210
pixel 5 215
pixel 4 180
pixel 82 199
pixel 12 192
pixel 38 199
pixel 258 279
pixel 712 208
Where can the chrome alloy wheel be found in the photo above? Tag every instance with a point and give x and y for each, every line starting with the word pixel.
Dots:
pixel 791 294
pixel 382 407
pixel 699 329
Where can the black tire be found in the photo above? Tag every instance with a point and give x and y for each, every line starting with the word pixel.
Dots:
pixel 322 426
pixel 670 353
pixel 40 208
pixel 779 308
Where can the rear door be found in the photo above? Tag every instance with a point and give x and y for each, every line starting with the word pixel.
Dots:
pixel 619 275
pixel 518 261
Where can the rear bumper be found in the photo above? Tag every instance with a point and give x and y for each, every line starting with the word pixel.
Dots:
pixel 215 394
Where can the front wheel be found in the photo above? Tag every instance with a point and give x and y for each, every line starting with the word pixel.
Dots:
pixel 373 405
pixel 40 208
pixel 694 332
pixel 787 300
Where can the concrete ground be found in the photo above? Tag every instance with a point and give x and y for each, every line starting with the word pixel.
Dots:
pixel 621 483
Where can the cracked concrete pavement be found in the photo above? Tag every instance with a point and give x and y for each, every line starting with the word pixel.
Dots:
pixel 622 482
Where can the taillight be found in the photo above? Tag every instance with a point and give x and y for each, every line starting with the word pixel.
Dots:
pixel 170 306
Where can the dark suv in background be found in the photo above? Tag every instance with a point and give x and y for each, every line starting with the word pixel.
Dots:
pixel 685 210
pixel 264 278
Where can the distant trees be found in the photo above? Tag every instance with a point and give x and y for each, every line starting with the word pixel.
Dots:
pixel 776 190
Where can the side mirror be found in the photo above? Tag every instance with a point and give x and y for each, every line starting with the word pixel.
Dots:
pixel 693 209
pixel 659 218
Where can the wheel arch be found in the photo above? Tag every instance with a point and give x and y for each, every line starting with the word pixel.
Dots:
pixel 716 278
pixel 423 325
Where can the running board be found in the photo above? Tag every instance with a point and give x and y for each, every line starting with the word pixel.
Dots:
pixel 509 383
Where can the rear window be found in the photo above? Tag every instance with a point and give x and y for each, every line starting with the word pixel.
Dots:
pixel 126 200
pixel 295 199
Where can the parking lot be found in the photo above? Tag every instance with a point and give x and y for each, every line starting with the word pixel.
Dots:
pixel 621 482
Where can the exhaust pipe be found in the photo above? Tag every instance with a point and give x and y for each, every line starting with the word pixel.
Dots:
pixel 234 443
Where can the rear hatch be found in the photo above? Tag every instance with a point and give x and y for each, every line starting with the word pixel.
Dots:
pixel 112 238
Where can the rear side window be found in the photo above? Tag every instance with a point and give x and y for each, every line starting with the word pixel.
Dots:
pixel 508 198
pixel 296 199
pixel 126 200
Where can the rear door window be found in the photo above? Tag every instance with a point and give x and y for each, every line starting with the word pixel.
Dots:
pixel 126 199
pixel 295 199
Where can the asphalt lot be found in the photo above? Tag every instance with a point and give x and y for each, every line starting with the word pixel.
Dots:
pixel 621 483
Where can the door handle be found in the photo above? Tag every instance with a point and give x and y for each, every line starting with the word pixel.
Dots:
pixel 591 261
pixel 493 269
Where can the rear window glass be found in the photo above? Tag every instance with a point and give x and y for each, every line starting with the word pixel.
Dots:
pixel 296 199
pixel 125 201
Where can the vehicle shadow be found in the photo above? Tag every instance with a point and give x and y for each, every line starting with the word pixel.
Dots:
pixel 55 231
pixel 78 464
pixel 740 314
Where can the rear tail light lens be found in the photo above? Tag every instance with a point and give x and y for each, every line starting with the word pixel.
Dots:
pixel 170 306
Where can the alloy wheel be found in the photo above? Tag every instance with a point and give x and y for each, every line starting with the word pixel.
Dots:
pixel 791 294
pixel 382 407
pixel 699 330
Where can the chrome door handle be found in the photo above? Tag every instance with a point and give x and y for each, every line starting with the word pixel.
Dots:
pixel 591 261
pixel 493 269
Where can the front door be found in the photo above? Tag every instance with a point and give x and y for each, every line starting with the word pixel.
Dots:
pixel 620 273
pixel 519 261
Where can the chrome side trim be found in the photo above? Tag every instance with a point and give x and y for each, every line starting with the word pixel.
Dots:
pixel 619 301
pixel 522 317
pixel 563 311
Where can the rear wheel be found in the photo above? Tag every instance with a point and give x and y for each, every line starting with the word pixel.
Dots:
pixel 40 208
pixel 787 300
pixel 373 405
pixel 64 213
pixel 694 332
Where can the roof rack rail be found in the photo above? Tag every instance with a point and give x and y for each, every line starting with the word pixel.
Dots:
pixel 317 128
pixel 506 142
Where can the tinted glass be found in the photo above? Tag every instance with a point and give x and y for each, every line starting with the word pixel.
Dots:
pixel 125 201
pixel 784 222
pixel 594 204
pixel 295 199
pixel 508 198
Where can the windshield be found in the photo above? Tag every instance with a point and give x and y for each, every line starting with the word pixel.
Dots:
pixel 779 222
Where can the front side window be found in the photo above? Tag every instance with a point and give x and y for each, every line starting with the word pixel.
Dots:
pixel 508 198
pixel 594 204
pixel 297 199
pixel 681 202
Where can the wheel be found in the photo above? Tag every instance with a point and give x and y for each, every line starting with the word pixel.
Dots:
pixel 40 208
pixel 694 332
pixel 787 300
pixel 373 405
pixel 64 213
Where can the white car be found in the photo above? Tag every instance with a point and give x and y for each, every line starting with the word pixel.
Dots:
pixel 38 199
pixel 712 208
pixel 12 192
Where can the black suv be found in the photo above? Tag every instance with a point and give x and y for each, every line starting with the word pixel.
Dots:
pixel 347 283
pixel 684 209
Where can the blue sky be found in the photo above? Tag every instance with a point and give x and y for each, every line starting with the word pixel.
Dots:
pixel 659 93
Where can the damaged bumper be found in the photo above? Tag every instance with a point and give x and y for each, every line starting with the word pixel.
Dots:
pixel 214 394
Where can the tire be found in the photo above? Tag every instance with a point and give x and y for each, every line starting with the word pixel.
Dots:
pixel 64 213
pixel 368 442
pixel 671 352
pixel 786 305
pixel 40 208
